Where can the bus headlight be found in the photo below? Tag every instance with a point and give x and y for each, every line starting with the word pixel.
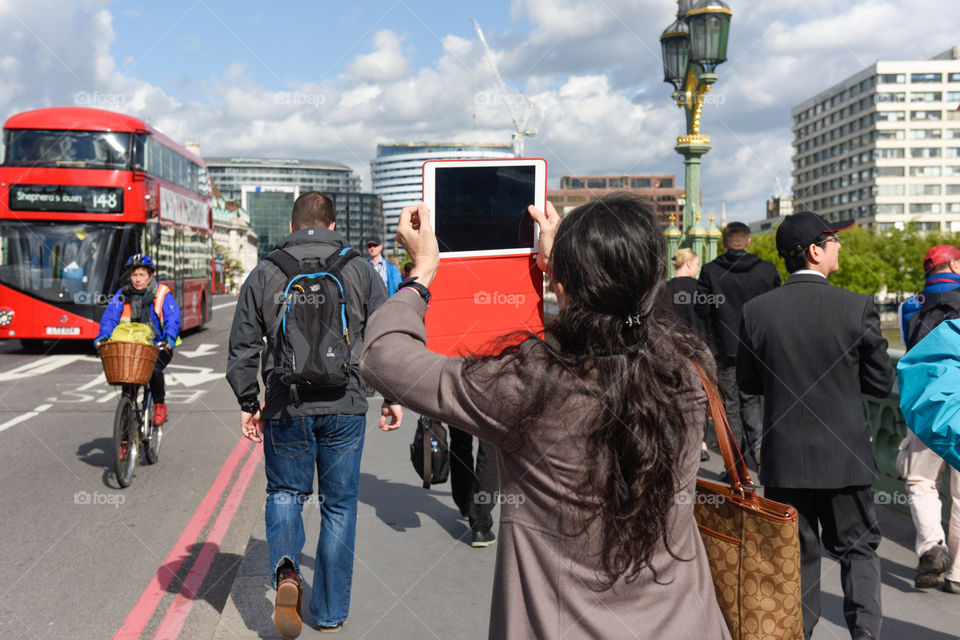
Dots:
pixel 6 317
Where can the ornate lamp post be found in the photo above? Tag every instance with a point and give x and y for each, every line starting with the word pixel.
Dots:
pixel 693 45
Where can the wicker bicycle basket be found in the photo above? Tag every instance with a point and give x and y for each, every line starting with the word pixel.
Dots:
pixel 128 362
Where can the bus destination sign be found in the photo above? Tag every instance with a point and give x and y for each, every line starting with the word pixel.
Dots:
pixel 52 197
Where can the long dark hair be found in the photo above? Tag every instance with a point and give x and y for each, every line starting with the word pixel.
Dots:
pixel 615 337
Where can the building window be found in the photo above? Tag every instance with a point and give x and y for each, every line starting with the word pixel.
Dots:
pixel 888 96
pixel 889 134
pixel 953 96
pixel 952 134
pixel 926 77
pixel 924 134
pixel 924 189
pixel 925 115
pixel 925 207
pixel 618 183
pixel 890 190
pixel 952 207
pixel 890 116
pixel 953 77
pixel 951 171
pixel 952 189
pixel 928 226
pixel 951 152
pixel 924 172
pixel 891 78
pixel 576 183
pixel 596 183
pixel 890 208
pixel 889 172
pixel 925 96
pixel 888 153
pixel 925 152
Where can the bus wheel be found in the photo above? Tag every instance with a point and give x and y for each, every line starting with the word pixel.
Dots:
pixel 32 345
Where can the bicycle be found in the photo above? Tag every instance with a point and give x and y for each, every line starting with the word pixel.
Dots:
pixel 132 427
pixel 130 365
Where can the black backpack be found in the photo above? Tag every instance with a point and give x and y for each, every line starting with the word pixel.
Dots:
pixel 312 341
pixel 429 452
pixel 936 308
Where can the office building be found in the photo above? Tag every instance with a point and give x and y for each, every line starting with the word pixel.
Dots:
pixel 778 208
pixel 397 172
pixel 662 190
pixel 883 146
pixel 266 189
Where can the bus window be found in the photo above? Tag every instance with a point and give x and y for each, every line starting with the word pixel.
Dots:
pixel 78 149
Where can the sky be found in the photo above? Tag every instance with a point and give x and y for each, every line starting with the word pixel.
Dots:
pixel 324 80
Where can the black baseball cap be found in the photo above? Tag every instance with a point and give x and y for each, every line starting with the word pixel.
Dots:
pixel 802 229
pixel 373 241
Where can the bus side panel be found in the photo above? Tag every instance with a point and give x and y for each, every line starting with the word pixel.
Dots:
pixel 35 319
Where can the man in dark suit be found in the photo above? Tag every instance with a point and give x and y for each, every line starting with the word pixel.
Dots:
pixel 812 349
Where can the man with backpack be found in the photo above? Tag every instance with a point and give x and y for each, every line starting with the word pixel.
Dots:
pixel 310 299
pixel 921 468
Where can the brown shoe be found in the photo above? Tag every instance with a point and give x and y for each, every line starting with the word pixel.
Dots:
pixel 286 614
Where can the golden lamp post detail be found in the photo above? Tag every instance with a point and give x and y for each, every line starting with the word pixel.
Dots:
pixel 693 46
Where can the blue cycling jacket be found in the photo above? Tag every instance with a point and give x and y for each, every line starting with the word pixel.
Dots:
pixel 167 330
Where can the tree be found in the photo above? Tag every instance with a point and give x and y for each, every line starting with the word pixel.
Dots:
pixel 870 261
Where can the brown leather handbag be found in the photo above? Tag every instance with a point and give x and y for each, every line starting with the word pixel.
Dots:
pixel 752 544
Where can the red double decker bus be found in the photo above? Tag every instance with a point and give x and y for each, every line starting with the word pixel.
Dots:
pixel 80 191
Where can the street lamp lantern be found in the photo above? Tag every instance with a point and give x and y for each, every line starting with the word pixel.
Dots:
pixel 693 45
pixel 675 42
pixel 709 22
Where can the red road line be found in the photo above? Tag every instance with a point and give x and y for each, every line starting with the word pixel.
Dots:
pixel 142 611
pixel 172 623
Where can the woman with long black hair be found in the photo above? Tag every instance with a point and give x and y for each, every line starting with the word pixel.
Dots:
pixel 598 429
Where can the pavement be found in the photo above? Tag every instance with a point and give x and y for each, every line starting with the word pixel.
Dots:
pixel 416 576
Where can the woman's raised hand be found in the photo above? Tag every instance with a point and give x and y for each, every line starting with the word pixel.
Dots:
pixel 417 237
pixel 548 222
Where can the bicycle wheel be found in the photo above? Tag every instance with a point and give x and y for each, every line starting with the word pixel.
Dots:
pixel 152 433
pixel 125 441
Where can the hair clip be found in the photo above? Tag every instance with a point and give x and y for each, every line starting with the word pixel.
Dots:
pixel 634 319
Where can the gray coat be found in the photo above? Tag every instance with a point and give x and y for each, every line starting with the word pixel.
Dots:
pixel 256 317
pixel 545 584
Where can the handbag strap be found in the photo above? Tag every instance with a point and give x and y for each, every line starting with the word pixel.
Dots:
pixel 737 473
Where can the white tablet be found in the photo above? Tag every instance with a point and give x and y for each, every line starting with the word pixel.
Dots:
pixel 479 207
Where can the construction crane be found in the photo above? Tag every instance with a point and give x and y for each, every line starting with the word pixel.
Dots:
pixel 519 125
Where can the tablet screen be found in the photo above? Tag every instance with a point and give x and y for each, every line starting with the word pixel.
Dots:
pixel 484 208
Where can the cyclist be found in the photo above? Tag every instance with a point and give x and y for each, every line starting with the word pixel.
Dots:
pixel 144 300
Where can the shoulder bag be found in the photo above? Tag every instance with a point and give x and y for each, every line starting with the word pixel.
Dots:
pixel 752 544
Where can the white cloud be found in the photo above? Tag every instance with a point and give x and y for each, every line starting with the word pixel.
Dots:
pixel 592 69
pixel 386 63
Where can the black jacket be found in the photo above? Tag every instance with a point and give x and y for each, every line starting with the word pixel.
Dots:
pixel 813 349
pixel 683 294
pixel 725 285
pixel 255 318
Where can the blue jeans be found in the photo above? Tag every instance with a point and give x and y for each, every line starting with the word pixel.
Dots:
pixel 291 447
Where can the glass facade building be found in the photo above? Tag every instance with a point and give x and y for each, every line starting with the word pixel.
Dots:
pixel 397 172
pixel 267 188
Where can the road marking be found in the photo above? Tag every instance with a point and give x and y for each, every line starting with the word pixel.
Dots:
pixel 172 623
pixel 222 306
pixel 204 349
pixel 141 613
pixel 42 366
pixel 24 417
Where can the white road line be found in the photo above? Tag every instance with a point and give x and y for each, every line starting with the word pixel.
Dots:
pixel 221 306
pixel 24 417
